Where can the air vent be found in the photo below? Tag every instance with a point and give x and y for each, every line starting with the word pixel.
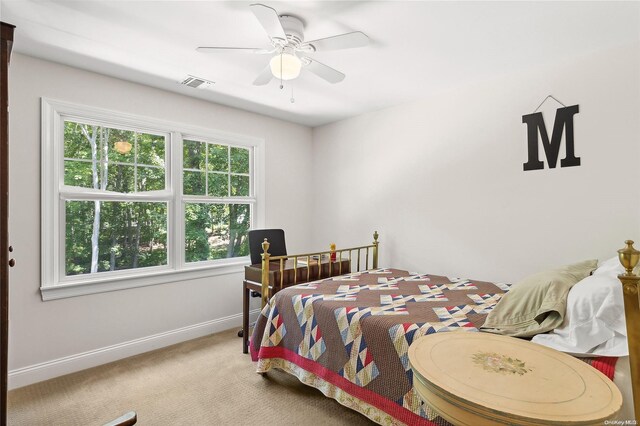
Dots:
pixel 196 82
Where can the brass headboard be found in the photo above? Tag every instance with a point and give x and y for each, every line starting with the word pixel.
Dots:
pixel 334 258
pixel 629 258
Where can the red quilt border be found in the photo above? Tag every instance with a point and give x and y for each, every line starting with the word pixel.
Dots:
pixel 395 410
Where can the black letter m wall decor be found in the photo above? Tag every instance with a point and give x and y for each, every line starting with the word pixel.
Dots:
pixel 535 126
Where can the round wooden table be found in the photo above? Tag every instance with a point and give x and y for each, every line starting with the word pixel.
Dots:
pixel 478 379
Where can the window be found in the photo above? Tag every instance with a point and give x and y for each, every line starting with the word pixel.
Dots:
pixel 130 201
pixel 213 172
pixel 108 225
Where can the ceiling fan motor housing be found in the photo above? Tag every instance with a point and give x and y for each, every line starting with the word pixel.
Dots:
pixel 293 28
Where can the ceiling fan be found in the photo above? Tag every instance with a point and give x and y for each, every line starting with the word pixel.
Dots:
pixel 289 50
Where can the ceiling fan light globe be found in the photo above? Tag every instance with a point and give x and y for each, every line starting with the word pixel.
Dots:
pixel 289 64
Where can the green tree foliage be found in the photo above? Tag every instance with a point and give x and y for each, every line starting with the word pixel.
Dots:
pixel 216 230
pixel 132 235
pixel 121 235
pixel 114 235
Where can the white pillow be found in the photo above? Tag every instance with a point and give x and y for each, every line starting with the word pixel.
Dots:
pixel 610 267
pixel 594 323
pixel 613 266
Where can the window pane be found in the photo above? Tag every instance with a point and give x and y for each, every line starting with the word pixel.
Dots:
pixel 121 145
pixel 239 160
pixel 216 231
pixel 120 177
pixel 151 149
pixel 83 141
pixel 76 145
pixel 218 158
pixel 113 151
pixel 239 186
pixel 218 185
pixel 150 179
pixel 194 155
pixel 111 236
pixel 78 173
pixel 194 183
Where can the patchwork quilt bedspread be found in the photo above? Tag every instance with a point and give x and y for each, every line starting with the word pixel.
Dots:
pixel 349 335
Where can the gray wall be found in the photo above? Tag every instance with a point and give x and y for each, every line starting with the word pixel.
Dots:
pixel 443 182
pixel 55 337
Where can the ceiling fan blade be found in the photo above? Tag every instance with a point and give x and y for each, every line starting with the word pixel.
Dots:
pixel 269 20
pixel 342 41
pixel 210 49
pixel 323 71
pixel 264 77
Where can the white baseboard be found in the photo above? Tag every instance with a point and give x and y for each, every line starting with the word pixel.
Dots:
pixel 58 367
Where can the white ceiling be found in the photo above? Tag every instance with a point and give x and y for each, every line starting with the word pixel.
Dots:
pixel 417 48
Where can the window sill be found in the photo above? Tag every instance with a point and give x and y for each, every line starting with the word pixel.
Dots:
pixel 81 288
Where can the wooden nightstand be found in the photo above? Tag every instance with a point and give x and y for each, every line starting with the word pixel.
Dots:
pixel 479 379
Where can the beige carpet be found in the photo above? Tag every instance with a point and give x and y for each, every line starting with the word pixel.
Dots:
pixel 206 381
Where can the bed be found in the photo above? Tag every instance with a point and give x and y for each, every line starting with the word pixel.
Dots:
pixel 349 335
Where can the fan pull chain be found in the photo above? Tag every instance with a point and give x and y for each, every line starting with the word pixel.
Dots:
pixel 281 84
pixel 293 100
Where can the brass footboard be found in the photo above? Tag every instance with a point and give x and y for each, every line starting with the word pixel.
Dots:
pixel 304 265
pixel 629 258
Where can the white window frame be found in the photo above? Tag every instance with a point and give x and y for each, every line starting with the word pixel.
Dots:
pixel 54 284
